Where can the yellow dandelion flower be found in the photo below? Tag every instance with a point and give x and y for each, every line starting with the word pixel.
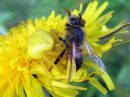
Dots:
pixel 29 50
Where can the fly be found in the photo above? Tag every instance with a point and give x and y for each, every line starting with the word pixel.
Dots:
pixel 75 41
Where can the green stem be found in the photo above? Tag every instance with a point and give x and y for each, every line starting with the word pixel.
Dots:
pixel 115 31
pixel 124 42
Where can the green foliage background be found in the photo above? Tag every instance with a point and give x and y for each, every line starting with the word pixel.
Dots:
pixel 117 60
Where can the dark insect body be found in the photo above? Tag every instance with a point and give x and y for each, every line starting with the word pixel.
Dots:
pixel 75 41
pixel 75 36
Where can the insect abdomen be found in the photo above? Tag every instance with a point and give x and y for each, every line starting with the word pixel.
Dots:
pixel 79 63
pixel 78 58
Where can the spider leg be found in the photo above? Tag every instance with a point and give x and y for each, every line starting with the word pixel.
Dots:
pixel 63 52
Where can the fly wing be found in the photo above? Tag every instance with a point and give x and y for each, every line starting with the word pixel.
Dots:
pixel 71 63
pixel 92 54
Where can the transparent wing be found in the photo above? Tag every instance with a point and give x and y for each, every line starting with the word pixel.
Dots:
pixel 71 63
pixel 92 54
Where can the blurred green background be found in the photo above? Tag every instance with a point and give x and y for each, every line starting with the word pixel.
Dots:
pixel 117 60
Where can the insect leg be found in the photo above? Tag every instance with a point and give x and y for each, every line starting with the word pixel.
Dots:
pixel 63 52
pixel 60 56
pixel 64 41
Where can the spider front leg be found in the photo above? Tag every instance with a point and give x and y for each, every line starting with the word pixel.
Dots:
pixel 63 52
